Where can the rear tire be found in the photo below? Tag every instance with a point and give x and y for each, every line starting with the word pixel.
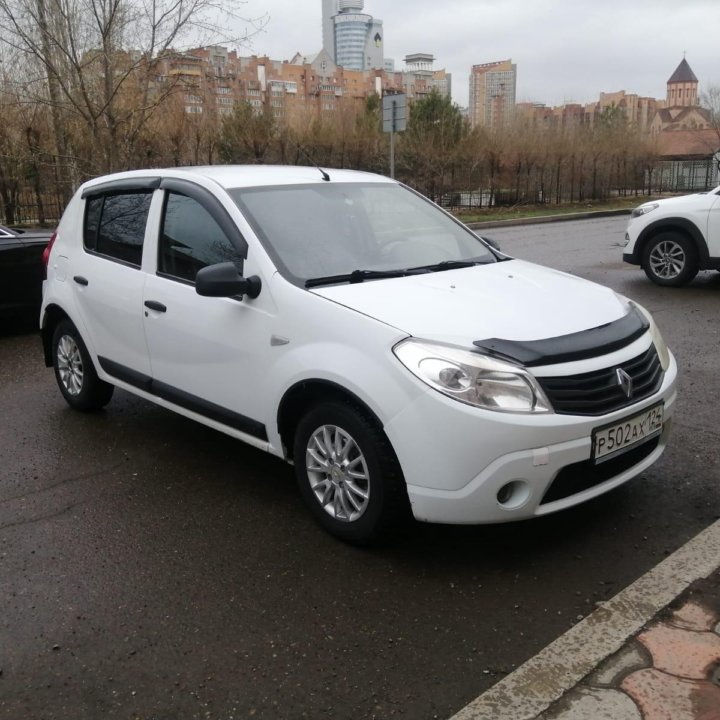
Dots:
pixel 670 259
pixel 75 372
pixel 348 474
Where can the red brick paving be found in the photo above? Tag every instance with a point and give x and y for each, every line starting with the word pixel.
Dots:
pixel 684 653
pixel 685 650
pixel 669 671
pixel 664 697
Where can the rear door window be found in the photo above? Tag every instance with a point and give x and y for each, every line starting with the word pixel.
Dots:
pixel 115 225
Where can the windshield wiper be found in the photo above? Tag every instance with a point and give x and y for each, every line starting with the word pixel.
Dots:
pixel 358 276
pixel 450 265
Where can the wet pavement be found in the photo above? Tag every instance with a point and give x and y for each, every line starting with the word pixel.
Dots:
pixel 153 568
pixel 652 652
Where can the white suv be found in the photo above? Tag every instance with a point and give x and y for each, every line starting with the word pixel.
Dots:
pixel 341 321
pixel 673 239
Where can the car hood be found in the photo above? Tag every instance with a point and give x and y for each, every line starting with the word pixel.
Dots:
pixel 700 200
pixel 511 300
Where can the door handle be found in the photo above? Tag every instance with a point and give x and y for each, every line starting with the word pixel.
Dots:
pixel 80 280
pixel 155 305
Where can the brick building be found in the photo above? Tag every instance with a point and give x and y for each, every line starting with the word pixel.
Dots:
pixel 213 79
pixel 679 110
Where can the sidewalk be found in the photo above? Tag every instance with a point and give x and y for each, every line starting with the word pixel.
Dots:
pixel 671 669
pixel 650 653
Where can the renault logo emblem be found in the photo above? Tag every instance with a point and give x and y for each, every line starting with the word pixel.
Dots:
pixel 625 382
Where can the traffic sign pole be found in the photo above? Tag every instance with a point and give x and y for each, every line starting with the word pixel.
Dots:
pixel 394 121
pixel 392 155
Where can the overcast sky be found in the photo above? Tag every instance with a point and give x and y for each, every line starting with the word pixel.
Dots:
pixel 565 50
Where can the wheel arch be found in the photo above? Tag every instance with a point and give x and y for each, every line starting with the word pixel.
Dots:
pixel 306 393
pixel 52 316
pixel 679 225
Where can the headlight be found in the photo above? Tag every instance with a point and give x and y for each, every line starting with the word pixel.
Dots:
pixel 473 378
pixel 643 209
pixel 657 338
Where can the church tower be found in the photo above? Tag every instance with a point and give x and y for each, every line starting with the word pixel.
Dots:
pixel 682 87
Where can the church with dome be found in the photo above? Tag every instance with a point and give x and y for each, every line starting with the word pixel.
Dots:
pixel 682 109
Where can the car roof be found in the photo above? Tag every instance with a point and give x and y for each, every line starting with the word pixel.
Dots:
pixel 239 176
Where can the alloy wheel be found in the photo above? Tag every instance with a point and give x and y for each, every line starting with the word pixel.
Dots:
pixel 69 365
pixel 667 259
pixel 338 473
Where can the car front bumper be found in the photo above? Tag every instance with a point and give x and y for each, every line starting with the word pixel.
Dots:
pixel 464 465
pixel 630 254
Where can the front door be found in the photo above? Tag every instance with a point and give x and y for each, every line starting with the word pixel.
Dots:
pixel 207 354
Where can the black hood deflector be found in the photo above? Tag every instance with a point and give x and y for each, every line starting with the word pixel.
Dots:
pixel 567 348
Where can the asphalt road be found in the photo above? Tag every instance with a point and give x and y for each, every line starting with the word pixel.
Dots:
pixel 153 568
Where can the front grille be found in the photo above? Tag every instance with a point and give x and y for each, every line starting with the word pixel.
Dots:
pixel 598 392
pixel 585 474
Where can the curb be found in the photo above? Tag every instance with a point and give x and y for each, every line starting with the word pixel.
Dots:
pixel 543 679
pixel 589 215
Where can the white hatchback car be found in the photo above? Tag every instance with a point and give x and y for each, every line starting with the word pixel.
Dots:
pixel 341 321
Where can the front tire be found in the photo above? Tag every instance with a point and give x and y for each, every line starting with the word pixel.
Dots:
pixel 670 259
pixel 75 372
pixel 348 474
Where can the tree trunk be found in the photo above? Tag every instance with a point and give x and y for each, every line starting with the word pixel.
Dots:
pixel 65 187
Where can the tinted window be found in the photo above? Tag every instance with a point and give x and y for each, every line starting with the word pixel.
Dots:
pixel 191 239
pixel 115 225
pixel 93 208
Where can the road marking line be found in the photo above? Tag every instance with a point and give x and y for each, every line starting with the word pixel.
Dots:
pixel 530 689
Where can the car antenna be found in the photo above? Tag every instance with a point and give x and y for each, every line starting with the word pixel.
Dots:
pixel 325 176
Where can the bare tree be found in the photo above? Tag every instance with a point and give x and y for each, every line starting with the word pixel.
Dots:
pixel 710 100
pixel 431 146
pixel 247 134
pixel 98 61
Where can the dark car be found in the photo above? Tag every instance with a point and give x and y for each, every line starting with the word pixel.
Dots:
pixel 21 271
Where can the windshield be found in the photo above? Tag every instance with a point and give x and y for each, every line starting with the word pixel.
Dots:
pixel 330 230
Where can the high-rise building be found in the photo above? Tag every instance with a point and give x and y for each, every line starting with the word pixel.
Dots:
pixel 353 39
pixel 330 9
pixel 419 73
pixel 492 93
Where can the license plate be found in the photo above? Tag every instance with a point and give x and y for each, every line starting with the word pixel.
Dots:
pixel 612 440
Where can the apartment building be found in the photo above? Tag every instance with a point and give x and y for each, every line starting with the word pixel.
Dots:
pixel 492 93
pixel 212 80
pixel 678 111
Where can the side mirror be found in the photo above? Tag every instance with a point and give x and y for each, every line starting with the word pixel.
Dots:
pixel 223 280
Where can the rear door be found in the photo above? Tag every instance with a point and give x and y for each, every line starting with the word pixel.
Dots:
pixel 108 280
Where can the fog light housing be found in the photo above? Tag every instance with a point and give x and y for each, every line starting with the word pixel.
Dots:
pixel 513 494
